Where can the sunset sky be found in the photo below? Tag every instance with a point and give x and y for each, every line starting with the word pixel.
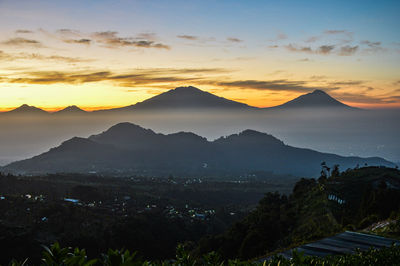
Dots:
pixel 103 54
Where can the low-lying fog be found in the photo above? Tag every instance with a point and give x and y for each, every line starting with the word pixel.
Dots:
pixel 360 133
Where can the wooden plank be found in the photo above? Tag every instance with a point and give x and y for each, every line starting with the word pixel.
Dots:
pixel 340 243
pixel 331 248
pixel 343 243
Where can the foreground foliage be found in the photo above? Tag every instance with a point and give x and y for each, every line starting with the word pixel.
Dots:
pixel 351 200
pixel 55 255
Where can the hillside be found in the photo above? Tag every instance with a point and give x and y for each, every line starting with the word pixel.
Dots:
pixel 316 209
pixel 128 148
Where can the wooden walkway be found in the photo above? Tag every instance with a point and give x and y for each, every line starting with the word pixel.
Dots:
pixel 342 243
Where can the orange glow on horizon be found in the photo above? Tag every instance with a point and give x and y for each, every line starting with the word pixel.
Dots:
pixel 374 106
pixel 254 103
pixel 59 108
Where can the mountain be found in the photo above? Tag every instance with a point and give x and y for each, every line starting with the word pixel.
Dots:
pixel 70 110
pixel 26 110
pixel 130 149
pixel 185 98
pixel 192 98
pixel 317 98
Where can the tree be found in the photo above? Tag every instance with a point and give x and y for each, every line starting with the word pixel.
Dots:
pixel 335 171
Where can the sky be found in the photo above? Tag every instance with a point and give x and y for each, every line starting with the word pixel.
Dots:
pixel 103 54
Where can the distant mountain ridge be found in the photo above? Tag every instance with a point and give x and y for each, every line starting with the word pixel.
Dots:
pixel 192 98
pixel 26 110
pixel 131 149
pixel 315 99
pixel 186 98
pixel 73 109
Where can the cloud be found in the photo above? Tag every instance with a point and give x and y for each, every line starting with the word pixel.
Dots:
pixel 303 49
pixel 111 40
pixel 130 79
pixel 318 77
pixel 170 77
pixel 304 60
pixel 147 35
pixel 372 46
pixel 57 77
pixel 106 34
pixel 364 98
pixel 279 37
pixel 347 83
pixel 272 85
pixel 313 39
pixel 22 42
pixel 52 77
pixel 348 50
pixel 233 39
pixel 238 58
pixel 23 31
pixel 73 36
pixel 37 56
pixel 343 36
pixel 336 32
pixel 326 33
pixel 160 77
pixel 147 44
pixel 68 32
pixel 325 49
pixel 78 41
pixel 188 37
pixel 273 46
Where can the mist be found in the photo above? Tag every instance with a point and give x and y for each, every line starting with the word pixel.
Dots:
pixel 365 133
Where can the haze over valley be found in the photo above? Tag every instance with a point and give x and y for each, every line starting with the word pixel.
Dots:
pixel 314 120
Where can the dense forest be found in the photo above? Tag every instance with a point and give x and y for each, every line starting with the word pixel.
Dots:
pixel 351 200
pixel 336 201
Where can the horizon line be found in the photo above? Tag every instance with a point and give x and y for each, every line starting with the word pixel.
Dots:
pixel 90 109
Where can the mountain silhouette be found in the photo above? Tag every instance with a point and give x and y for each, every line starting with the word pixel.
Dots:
pixel 26 110
pixel 186 98
pixel 192 98
pixel 72 110
pixel 317 98
pixel 130 149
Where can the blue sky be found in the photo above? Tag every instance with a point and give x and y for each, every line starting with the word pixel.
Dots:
pixel 372 18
